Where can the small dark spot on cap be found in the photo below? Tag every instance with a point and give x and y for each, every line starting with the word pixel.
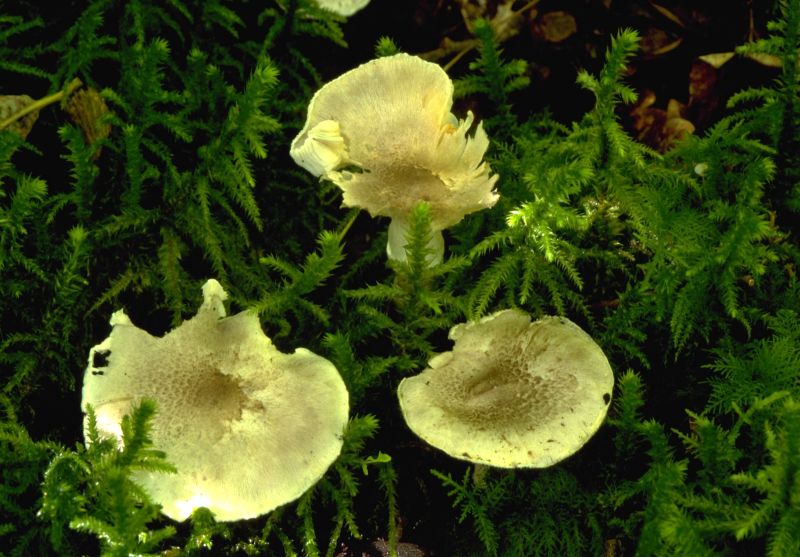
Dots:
pixel 100 358
pixel 98 373
pixel 606 398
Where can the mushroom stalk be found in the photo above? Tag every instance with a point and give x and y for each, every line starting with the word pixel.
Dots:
pixel 479 472
pixel 398 241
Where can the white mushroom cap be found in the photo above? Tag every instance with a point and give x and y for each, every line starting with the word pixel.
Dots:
pixel 511 393
pixel 343 7
pixel 248 427
pixel 391 117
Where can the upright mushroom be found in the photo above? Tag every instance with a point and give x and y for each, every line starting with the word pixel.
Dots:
pixel 383 132
pixel 247 427
pixel 511 393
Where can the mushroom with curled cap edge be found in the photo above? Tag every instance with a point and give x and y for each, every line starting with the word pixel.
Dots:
pixel 248 428
pixel 511 393
pixel 383 132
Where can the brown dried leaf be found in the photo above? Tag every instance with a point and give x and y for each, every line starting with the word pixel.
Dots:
pixel 660 129
pixel 716 59
pixel 380 548
pixel 87 109
pixel 472 10
pixel 403 549
pixel 554 27
pixel 768 60
pixel 668 14
pixel 676 126
pixel 668 47
pixel 503 19
pixel 657 42
pixel 703 79
pixel 506 23
pixel 11 105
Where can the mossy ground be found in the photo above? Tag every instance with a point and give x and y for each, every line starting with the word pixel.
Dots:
pixel 647 193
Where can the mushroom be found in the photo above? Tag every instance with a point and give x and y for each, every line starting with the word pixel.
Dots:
pixel 383 132
pixel 343 7
pixel 511 393
pixel 248 428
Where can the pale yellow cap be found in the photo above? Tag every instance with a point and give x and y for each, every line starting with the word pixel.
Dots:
pixel 249 428
pixel 511 393
pixel 384 134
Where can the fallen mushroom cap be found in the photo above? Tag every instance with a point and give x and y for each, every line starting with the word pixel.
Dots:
pixel 248 427
pixel 391 118
pixel 511 393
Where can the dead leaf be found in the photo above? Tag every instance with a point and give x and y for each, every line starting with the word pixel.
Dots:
pixel 660 128
pixel 768 60
pixel 403 549
pixel 504 20
pixel 668 47
pixel 380 548
pixel 657 42
pixel 703 88
pixel 88 110
pixel 554 27
pixel 717 59
pixel 676 126
pixel 18 113
pixel 12 105
pixel 506 23
pixel 668 14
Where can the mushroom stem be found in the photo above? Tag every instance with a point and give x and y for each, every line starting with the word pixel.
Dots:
pixel 479 472
pixel 398 241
